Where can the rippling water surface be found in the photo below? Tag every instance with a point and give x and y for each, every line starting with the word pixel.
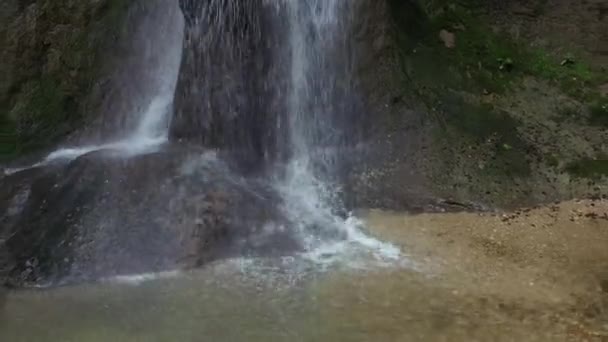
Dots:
pixel 245 300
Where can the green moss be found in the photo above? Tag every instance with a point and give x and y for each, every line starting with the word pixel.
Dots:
pixel 574 77
pixel 588 168
pixel 483 60
pixel 43 106
pixel 472 64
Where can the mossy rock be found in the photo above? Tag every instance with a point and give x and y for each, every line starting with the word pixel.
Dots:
pixel 482 59
pixel 59 55
pixel 493 143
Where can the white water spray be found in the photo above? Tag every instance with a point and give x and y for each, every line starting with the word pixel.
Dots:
pixel 318 31
pixel 152 123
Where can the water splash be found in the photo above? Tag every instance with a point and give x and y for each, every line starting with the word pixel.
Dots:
pixel 319 118
pixel 150 135
pixel 162 44
pixel 138 279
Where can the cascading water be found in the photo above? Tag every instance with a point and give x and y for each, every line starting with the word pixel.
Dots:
pixel 322 118
pixel 228 79
pixel 269 86
pixel 272 82
pixel 139 123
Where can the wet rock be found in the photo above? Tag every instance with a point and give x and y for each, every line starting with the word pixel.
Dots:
pixel 192 9
pixel 448 38
pixel 103 215
pixel 55 58
pixel 223 94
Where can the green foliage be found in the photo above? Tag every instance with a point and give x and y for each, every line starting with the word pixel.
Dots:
pixel 486 61
pixel 482 59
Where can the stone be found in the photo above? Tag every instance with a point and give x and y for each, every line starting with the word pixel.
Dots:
pixel 56 54
pixel 448 38
pixel 223 95
pixel 101 216
pixel 380 43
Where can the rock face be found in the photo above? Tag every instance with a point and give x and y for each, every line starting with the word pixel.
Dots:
pixel 495 119
pixel 260 77
pixel 62 63
pixel 474 116
pixel 49 54
pixel 102 215
pixel 225 92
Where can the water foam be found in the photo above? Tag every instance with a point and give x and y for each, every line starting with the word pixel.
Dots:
pixel 149 135
pixel 138 279
pixel 328 238
pixel 318 32
pixel 147 138
pixel 151 128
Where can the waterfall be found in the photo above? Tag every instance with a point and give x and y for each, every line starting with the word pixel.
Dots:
pixel 321 116
pixel 137 119
pixel 269 86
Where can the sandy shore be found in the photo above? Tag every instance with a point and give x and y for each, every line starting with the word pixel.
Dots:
pixel 548 263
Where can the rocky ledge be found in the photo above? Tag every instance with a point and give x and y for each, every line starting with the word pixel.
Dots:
pixel 103 215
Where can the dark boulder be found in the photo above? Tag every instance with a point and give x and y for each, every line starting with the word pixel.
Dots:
pixel 103 215
pixel 224 95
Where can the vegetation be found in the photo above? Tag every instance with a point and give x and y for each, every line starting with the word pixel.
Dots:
pixel 489 60
pixel 57 62
pixel 511 117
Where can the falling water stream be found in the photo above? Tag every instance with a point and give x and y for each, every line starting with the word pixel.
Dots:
pixel 319 116
pixel 313 63
pixel 314 69
pixel 272 78
pixel 139 124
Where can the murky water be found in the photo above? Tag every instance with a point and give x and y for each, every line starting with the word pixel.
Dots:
pixel 466 277
pixel 242 301
pixel 346 306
